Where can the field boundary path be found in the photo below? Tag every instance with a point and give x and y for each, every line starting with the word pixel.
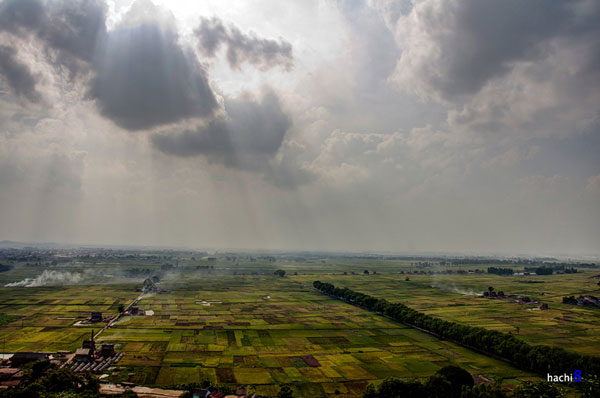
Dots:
pixel 109 324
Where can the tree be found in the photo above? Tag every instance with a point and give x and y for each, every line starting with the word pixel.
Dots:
pixel 457 377
pixel 484 391
pixel 437 386
pixel 285 392
pixel 366 272
pixel 370 392
pixel 121 308
pixel 39 368
pixel 491 289
pixel 529 389
pixel 589 386
pixel 279 272
pixel 395 388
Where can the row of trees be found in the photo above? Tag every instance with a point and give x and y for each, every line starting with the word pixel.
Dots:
pixel 500 271
pixel 538 270
pixel 538 359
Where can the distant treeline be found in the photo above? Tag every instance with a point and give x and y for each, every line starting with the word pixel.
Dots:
pixel 145 272
pixel 500 271
pixel 544 270
pixel 536 263
pixel 539 359
pixel 434 261
pixel 4 268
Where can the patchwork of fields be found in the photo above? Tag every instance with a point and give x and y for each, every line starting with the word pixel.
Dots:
pixel 268 331
pixel 44 316
pixel 271 331
pixel 568 326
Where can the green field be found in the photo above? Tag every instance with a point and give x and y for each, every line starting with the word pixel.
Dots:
pixel 234 322
pixel 568 326
pixel 247 338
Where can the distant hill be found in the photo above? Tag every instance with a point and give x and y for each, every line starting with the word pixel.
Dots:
pixel 11 244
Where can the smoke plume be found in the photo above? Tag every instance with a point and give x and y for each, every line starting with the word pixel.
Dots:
pixel 49 278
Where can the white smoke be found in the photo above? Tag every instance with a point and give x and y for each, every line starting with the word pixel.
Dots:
pixel 454 289
pixel 47 278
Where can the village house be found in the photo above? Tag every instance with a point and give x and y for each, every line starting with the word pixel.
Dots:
pixel 83 355
pixel 21 358
pixel 108 350
pixel 10 377
pixel 96 317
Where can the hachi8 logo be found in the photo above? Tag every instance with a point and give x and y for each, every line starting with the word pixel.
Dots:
pixel 566 378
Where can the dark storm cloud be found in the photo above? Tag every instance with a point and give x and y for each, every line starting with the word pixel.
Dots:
pixel 492 34
pixel 262 53
pixel 144 78
pixel 249 135
pixel 17 16
pixel 75 28
pixel 71 30
pixel 479 40
pixel 17 75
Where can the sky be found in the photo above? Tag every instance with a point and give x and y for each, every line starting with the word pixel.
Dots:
pixel 467 126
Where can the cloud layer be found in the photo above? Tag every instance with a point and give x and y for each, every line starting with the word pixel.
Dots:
pixel 144 78
pixel 17 74
pixel 262 53
pixel 526 68
pixel 376 124
pixel 250 133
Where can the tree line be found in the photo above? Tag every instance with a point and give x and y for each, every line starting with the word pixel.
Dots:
pixel 500 271
pixel 539 359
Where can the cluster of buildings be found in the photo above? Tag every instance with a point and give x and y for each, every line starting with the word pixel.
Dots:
pixel 10 372
pixel 90 359
pixel 588 300
pixel 10 377
pixel 95 317
pixel 582 300
pixel 519 299
pixel 84 359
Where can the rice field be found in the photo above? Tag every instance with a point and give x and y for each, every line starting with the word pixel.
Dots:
pixel 273 331
pixel 447 296
pixel 267 331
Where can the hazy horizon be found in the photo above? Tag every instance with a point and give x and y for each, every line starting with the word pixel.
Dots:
pixel 11 244
pixel 359 126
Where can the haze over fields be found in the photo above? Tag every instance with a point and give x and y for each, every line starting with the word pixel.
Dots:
pixel 462 126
